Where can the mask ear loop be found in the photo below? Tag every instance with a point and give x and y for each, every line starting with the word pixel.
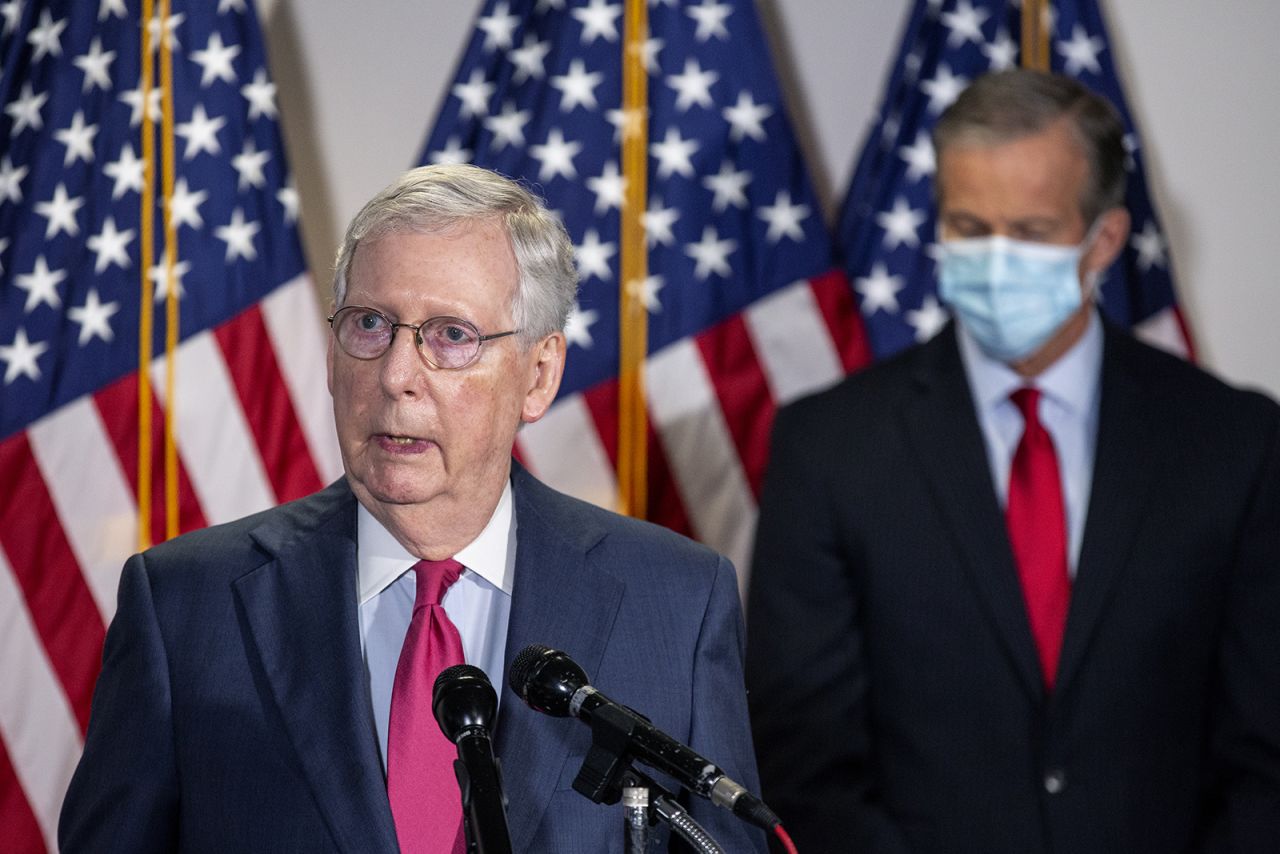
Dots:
pixel 1091 284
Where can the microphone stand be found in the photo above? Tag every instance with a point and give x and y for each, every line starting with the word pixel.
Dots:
pixel 484 816
pixel 607 770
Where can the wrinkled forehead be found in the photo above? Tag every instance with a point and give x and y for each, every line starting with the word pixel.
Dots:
pixel 468 270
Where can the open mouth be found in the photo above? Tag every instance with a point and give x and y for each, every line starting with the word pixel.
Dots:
pixel 401 444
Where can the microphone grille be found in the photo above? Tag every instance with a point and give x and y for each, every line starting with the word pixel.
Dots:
pixel 522 667
pixel 453 672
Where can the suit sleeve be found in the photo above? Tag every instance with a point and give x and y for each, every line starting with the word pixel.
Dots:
pixel 1246 752
pixel 721 730
pixel 806 671
pixel 124 793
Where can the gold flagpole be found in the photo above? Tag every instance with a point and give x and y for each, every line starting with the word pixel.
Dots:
pixel 1035 34
pixel 171 292
pixel 632 316
pixel 146 308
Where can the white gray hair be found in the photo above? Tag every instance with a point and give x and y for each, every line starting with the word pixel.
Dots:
pixel 440 198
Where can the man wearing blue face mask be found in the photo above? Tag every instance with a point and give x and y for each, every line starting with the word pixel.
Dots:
pixel 1017 590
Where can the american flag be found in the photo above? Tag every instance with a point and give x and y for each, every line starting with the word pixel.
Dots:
pixel 887 228
pixel 745 309
pixel 251 418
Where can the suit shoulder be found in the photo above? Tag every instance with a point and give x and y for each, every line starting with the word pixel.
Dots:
pixel 592 527
pixel 229 545
pixel 1192 389
pixel 866 393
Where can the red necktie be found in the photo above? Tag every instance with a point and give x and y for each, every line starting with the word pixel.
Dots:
pixel 421 785
pixel 1038 533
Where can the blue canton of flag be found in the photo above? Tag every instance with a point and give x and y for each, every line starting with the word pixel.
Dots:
pixel 249 406
pixel 744 312
pixel 71 179
pixel 888 226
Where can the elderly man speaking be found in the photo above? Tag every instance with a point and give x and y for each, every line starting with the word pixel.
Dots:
pixel 266 684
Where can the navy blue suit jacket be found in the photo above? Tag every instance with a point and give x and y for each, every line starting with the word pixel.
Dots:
pixel 233 710
pixel 886 619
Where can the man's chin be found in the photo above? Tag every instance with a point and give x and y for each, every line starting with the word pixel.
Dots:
pixel 399 493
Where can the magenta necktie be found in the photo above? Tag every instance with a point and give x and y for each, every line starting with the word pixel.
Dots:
pixel 1037 526
pixel 425 800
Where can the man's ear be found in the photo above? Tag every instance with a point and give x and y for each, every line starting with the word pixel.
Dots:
pixel 1110 235
pixel 545 372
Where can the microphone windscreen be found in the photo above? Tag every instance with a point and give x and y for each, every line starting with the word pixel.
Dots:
pixel 462 700
pixel 546 679
pixel 448 675
pixel 522 668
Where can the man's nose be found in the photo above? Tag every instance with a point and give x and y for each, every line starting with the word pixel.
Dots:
pixel 402 368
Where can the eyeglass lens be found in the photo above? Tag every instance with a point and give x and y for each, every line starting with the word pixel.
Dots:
pixel 447 342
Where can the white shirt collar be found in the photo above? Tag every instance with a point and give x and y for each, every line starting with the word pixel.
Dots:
pixel 381 559
pixel 1072 381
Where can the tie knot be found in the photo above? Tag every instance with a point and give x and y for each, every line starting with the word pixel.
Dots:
pixel 1027 400
pixel 434 577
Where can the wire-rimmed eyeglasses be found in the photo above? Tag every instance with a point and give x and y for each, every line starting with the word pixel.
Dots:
pixel 445 342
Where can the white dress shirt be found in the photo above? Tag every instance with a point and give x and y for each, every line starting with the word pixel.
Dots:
pixel 1068 409
pixel 478 603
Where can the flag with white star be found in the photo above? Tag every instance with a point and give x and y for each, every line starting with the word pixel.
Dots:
pixel 888 226
pixel 745 309
pixel 248 402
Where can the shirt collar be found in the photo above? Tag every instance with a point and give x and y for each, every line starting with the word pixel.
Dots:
pixel 1071 381
pixel 381 559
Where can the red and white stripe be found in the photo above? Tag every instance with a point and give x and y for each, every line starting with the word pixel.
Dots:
pixel 252 392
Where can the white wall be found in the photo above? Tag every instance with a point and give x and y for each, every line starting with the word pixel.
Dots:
pixel 360 82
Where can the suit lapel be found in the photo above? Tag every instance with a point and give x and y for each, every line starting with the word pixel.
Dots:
pixel 942 426
pixel 557 600
pixel 300 610
pixel 1120 490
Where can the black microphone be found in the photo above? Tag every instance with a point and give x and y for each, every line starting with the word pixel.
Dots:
pixel 465 705
pixel 552 683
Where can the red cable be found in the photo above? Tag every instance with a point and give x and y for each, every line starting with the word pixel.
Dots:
pixel 786 839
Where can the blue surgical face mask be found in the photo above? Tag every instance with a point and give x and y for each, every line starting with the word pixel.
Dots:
pixel 1011 295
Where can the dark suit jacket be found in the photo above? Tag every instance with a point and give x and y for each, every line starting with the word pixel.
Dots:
pixel 896 698
pixel 233 710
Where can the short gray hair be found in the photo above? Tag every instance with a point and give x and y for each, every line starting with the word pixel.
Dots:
pixel 1007 105
pixel 437 199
